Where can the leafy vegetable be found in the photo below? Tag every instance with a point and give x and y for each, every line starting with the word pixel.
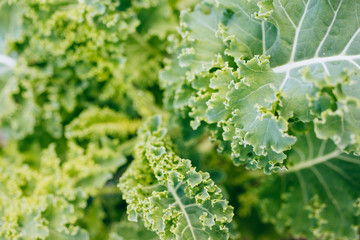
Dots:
pixel 123 119
pixel 276 82
pixel 318 192
pixel 174 199
pixel 70 106
pixel 257 69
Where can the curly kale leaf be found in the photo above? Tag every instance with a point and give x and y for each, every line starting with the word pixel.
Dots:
pixel 169 195
pixel 250 68
pixel 317 197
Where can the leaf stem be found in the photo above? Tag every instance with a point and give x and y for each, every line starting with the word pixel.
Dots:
pixel 182 207
pixel 314 161
pixel 317 60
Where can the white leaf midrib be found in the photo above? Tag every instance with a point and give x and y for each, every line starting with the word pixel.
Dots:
pixel 263 37
pixel 287 15
pixel 351 40
pixel 317 60
pixel 297 32
pixel 292 64
pixel 183 209
pixel 315 161
pixel 332 8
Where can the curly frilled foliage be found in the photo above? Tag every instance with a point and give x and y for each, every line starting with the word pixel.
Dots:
pixel 72 55
pixel 42 196
pixel 254 70
pixel 171 197
pixel 72 96
pixel 277 84
pixel 317 198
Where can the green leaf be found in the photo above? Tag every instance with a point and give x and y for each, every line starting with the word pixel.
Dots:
pixel 169 195
pixel 19 120
pixel 346 134
pixel 199 29
pixel 277 63
pixel 42 196
pixel 315 198
pixel 126 230
pixel 95 122
pixel 8 86
pixel 10 26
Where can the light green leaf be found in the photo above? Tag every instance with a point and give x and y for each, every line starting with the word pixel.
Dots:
pixel 199 29
pixel 96 122
pixel 169 195
pixel 279 62
pixel 342 126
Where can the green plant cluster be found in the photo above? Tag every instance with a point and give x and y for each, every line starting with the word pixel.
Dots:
pixel 179 119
